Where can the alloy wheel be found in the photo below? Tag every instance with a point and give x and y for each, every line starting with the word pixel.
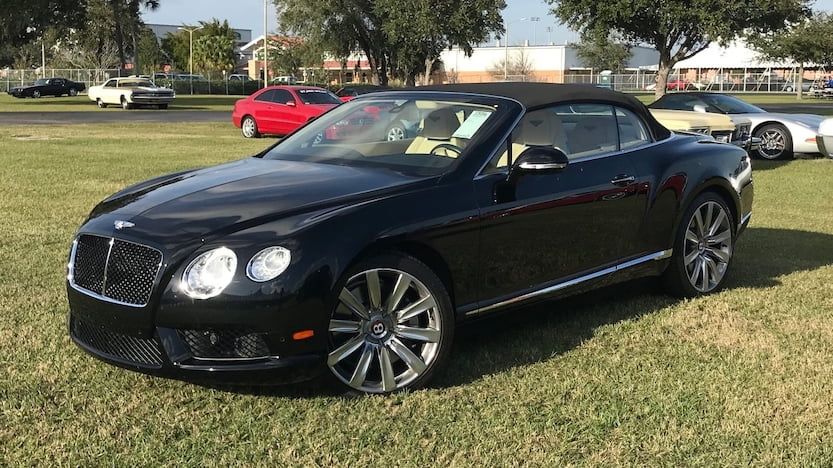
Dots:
pixel 385 331
pixel 773 144
pixel 708 246
pixel 36 94
pixel 249 127
pixel 396 133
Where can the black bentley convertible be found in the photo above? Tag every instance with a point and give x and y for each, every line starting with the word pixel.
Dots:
pixel 48 87
pixel 360 256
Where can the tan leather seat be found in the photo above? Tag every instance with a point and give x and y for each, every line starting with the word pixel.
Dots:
pixel 538 128
pixel 438 128
pixel 594 134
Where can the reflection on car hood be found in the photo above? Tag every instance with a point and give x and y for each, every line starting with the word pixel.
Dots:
pixel 176 209
pixel 809 119
pixel 149 89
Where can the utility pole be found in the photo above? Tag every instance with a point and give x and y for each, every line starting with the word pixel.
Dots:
pixel 43 57
pixel 191 54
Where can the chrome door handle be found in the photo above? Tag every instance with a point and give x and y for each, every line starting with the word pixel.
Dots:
pixel 622 180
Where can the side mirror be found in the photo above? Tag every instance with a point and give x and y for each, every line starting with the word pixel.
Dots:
pixel 290 103
pixel 541 159
pixel 700 108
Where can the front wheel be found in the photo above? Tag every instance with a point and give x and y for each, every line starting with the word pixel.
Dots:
pixel 125 105
pixel 101 104
pixel 776 142
pixel 392 325
pixel 703 248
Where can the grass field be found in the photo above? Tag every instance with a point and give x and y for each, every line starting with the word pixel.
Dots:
pixel 83 103
pixel 626 376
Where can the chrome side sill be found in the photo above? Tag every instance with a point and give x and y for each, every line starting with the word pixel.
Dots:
pixel 661 255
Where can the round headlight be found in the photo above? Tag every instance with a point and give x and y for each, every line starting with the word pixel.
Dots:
pixel 209 274
pixel 268 264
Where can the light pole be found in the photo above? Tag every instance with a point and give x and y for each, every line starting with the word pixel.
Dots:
pixel 535 20
pixel 191 54
pixel 265 43
pixel 506 49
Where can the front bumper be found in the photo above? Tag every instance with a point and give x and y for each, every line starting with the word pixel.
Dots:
pixel 748 143
pixel 165 353
pixel 151 100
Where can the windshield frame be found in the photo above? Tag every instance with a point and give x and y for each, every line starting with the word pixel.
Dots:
pixel 485 144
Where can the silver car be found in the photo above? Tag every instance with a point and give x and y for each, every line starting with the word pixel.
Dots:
pixel 781 135
pixel 826 137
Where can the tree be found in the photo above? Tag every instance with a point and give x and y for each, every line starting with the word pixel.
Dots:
pixel 21 21
pixel 149 55
pixel 92 44
pixel 602 53
pixel 808 42
pixel 419 30
pixel 289 54
pixel 128 23
pixel 678 29
pixel 214 53
pixel 177 46
pixel 519 65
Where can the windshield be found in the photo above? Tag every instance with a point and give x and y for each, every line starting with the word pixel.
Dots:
pixel 414 136
pixel 131 83
pixel 318 96
pixel 40 82
pixel 729 105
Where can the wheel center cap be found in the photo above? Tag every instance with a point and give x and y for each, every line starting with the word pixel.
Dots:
pixel 378 327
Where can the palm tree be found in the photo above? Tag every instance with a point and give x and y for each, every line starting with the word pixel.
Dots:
pixel 127 15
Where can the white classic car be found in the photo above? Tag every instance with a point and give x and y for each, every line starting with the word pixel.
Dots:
pixel 131 92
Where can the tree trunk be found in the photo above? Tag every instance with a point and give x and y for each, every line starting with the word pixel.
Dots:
pixel 137 68
pixel 410 78
pixel 429 65
pixel 799 83
pixel 663 71
pixel 382 70
pixel 119 34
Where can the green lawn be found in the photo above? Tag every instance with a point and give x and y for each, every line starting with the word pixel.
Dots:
pixel 626 376
pixel 83 103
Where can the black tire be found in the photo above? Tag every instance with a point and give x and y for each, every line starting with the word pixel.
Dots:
pixel 36 94
pixel 676 276
pixel 73 92
pixel 248 127
pixel 100 103
pixel 125 105
pixel 388 265
pixel 163 106
pixel 766 131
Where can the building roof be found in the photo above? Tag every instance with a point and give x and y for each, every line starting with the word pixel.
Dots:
pixel 537 95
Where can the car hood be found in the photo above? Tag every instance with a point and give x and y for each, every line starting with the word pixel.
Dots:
pixel 177 209
pixel 677 120
pixel 149 89
pixel 808 119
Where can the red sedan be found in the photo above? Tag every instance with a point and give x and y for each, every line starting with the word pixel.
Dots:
pixel 280 110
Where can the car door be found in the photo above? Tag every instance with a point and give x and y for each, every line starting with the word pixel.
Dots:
pixel 542 228
pixel 288 116
pixel 265 111
pixel 55 87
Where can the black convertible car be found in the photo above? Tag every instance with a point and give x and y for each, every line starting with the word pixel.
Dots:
pixel 361 256
pixel 48 87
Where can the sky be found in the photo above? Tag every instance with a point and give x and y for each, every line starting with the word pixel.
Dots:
pixel 248 14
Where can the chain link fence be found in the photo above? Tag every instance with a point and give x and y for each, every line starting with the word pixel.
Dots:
pixel 717 81
pixel 10 78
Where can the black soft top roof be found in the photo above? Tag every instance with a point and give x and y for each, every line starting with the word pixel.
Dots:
pixel 537 95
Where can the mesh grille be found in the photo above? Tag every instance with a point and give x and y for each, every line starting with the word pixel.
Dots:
pixel 127 276
pixel 225 344
pixel 144 352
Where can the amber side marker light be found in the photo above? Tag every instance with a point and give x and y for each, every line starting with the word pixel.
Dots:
pixel 302 335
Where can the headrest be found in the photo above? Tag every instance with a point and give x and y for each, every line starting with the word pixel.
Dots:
pixel 440 124
pixel 597 124
pixel 540 129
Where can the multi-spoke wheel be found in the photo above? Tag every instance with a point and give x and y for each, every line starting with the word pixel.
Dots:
pixel 391 327
pixel 249 127
pixel 395 133
pixel 704 248
pixel 776 142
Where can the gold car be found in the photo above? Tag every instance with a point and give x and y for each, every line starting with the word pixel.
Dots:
pixel 718 126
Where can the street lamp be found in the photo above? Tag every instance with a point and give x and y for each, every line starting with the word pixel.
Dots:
pixel 191 53
pixel 265 43
pixel 535 20
pixel 506 46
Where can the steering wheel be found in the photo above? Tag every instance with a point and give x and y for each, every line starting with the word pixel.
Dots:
pixel 447 146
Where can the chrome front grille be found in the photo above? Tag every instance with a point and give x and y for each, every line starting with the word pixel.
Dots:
pixel 114 270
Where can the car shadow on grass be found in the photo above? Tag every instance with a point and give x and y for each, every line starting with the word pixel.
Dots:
pixel 527 335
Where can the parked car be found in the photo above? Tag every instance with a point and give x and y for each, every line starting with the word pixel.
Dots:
pixel 349 92
pixel 189 77
pixel 131 92
pixel 239 77
pixel 280 110
pixel 826 137
pixel 782 135
pixel 677 85
pixel 361 257
pixel 722 128
pixel 402 123
pixel 48 87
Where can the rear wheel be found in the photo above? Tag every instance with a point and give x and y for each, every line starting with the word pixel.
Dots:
pixel 73 92
pixel 249 127
pixel 36 94
pixel 776 142
pixel 392 326
pixel 703 248
pixel 395 132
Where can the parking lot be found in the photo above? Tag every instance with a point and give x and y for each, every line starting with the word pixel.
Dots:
pixel 629 377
